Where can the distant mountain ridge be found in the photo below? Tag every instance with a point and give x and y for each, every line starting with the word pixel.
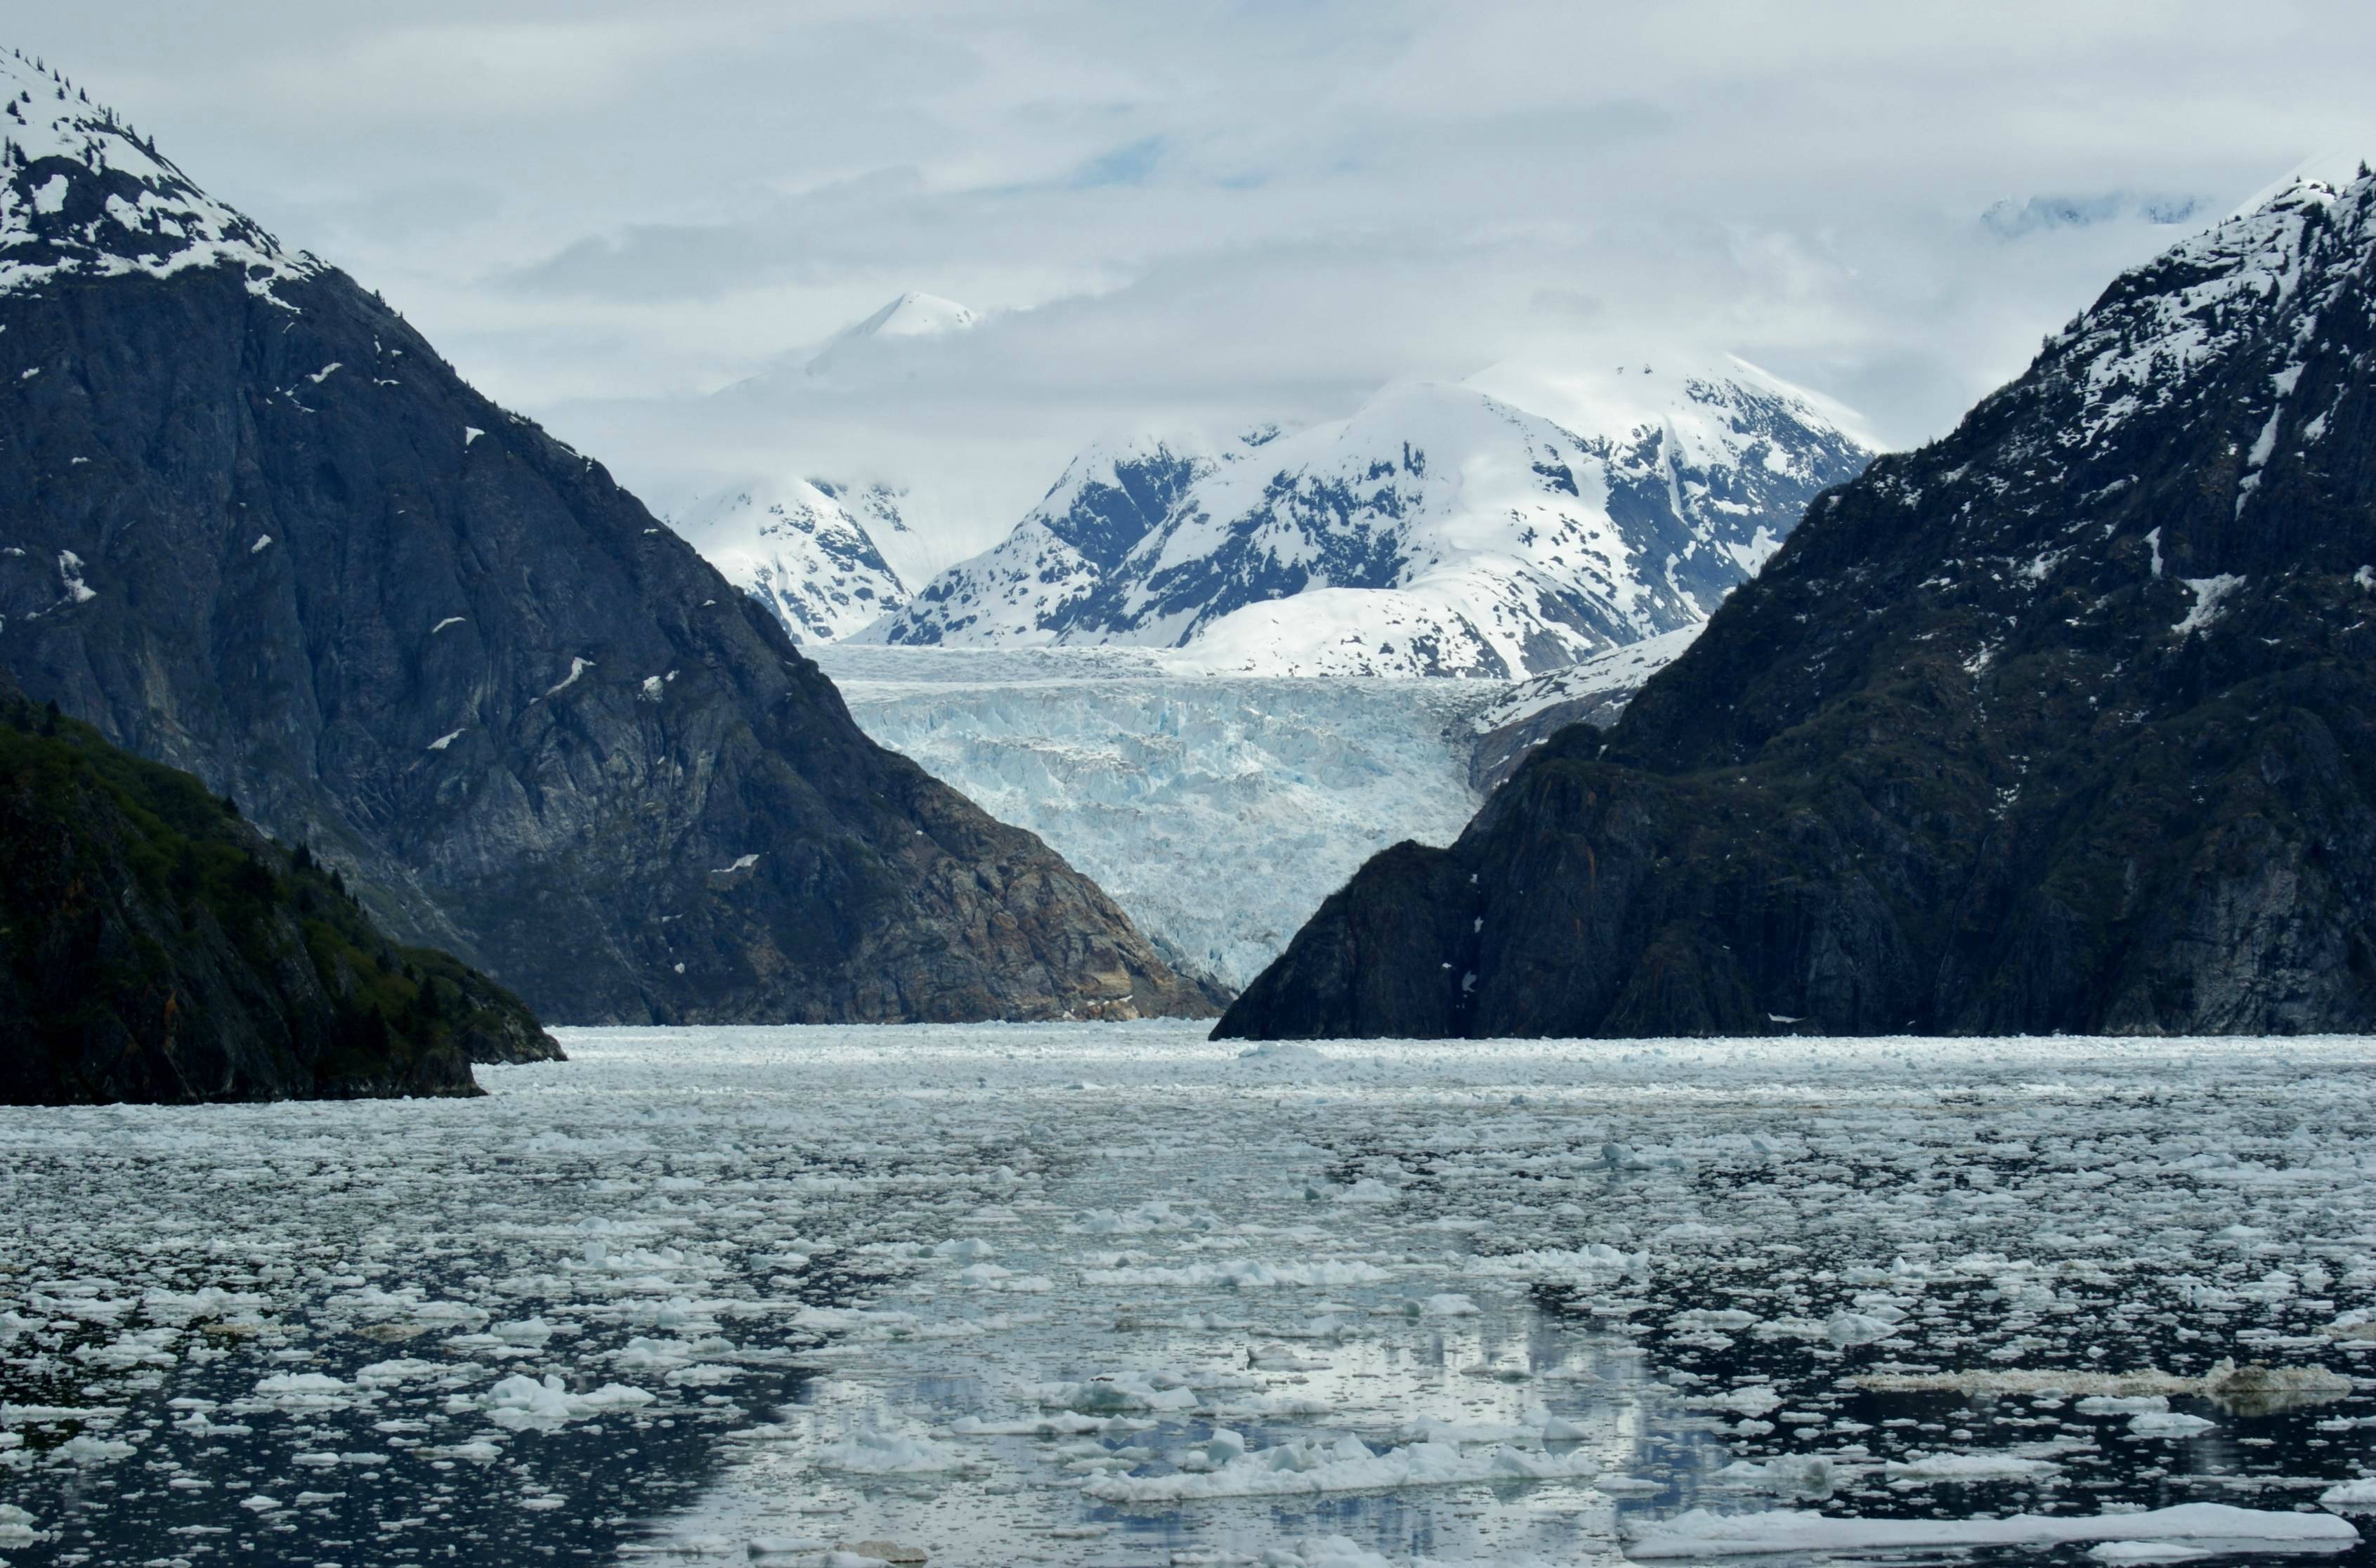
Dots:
pixel 1441 531
pixel 2065 722
pixel 259 530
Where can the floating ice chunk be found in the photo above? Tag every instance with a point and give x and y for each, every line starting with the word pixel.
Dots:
pixel 2351 1497
pixel 2169 1423
pixel 88 1450
pixel 884 1453
pixel 1957 1468
pixel 17 1526
pixel 2147 1551
pixel 1243 1274
pixel 1702 1534
pixel 1347 1465
pixel 2123 1405
pixel 1370 1190
pixel 1856 1328
pixel 1810 1473
pixel 1754 1399
pixel 1118 1391
pixel 520 1403
pixel 970 1248
pixel 306 1391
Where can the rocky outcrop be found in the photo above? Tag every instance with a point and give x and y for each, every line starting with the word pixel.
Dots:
pixel 155 948
pixel 259 530
pixel 2064 722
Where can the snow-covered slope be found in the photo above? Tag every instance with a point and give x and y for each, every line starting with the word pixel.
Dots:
pixel 1219 812
pixel 81 193
pixel 804 547
pixel 1444 529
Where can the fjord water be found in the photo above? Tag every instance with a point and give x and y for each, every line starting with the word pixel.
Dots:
pixel 1112 1294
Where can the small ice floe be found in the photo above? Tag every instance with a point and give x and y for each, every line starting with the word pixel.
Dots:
pixel 1118 1392
pixel 1346 1465
pixel 2351 1497
pixel 2169 1423
pixel 2147 1551
pixel 2123 1405
pixel 520 1403
pixel 1923 1468
pixel 19 1529
pixel 1810 1473
pixel 885 1453
pixel 1703 1534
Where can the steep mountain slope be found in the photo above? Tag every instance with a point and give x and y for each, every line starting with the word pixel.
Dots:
pixel 1441 531
pixel 259 530
pixel 1218 810
pixel 153 947
pixel 803 548
pixel 1593 692
pixel 2066 721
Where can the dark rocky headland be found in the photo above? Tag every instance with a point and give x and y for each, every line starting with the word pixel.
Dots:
pixel 2066 721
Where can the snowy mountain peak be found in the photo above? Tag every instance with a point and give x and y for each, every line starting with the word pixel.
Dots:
pixel 804 547
pixel 1441 529
pixel 81 193
pixel 2147 344
pixel 911 316
pixel 915 315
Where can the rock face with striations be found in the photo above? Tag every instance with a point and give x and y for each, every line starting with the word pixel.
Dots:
pixel 257 530
pixel 155 948
pixel 2064 722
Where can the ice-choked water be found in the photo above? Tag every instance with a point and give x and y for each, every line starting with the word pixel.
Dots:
pixel 1218 811
pixel 1114 1295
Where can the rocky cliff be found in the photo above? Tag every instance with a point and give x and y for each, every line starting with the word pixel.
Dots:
pixel 259 530
pixel 153 947
pixel 2064 722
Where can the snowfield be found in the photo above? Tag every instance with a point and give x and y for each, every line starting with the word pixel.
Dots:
pixel 1217 810
pixel 1113 1294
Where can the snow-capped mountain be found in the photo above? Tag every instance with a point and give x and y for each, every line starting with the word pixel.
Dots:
pixel 82 193
pixel 912 315
pixel 1499 528
pixel 804 547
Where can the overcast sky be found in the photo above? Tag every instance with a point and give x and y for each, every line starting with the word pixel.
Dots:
pixel 602 212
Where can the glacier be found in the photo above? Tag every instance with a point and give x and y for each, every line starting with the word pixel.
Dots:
pixel 1217 810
